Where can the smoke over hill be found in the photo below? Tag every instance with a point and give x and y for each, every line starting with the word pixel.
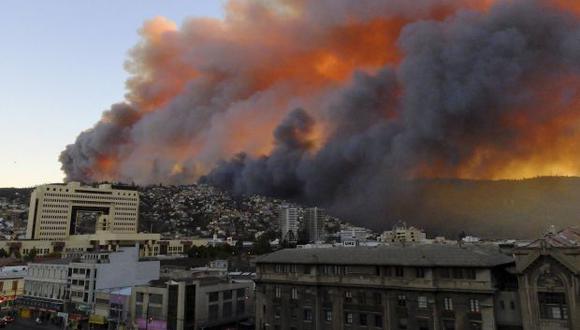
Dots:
pixel 340 103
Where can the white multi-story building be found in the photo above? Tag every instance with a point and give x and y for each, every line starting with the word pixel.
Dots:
pixel 107 270
pixel 314 223
pixel 45 285
pixel 54 210
pixel 403 234
pixel 354 234
pixel 288 217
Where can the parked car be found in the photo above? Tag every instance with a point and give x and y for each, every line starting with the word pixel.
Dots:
pixel 8 319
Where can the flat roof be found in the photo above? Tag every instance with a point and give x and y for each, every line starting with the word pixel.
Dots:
pixel 425 255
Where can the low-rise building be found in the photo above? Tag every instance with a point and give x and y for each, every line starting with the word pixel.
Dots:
pixel 403 234
pixel 11 283
pixel 45 286
pixel 387 287
pixel 188 303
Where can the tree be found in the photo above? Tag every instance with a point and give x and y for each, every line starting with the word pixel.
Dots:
pixel 262 245
pixel 3 253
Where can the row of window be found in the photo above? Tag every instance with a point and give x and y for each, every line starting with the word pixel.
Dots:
pixel 390 271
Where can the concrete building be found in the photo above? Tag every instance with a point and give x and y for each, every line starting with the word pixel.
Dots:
pixel 403 234
pixel 150 244
pixel 96 271
pixel 548 272
pixel 416 287
pixel 46 286
pixel 288 218
pixel 354 235
pixel 112 308
pixel 314 218
pixel 11 283
pixel 58 211
pixel 187 303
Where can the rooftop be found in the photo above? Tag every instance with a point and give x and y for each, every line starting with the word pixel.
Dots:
pixel 568 237
pixel 412 255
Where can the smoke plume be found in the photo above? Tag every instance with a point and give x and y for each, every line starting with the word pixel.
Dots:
pixel 341 102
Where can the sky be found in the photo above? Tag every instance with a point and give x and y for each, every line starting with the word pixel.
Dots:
pixel 61 66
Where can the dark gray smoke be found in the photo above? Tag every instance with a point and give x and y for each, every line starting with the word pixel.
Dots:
pixel 451 101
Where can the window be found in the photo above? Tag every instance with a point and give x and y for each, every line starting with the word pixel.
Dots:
pixel 423 324
pixel 348 318
pixel 307 314
pixel 553 305
pixel 294 293
pixel 449 324
pixel 156 299
pixel 469 273
pixel 277 292
pixel 228 309
pixel 457 273
pixel 448 304
pixel 422 301
pixel 444 272
pixel 213 296
pixel 139 297
pixel 213 311
pixel 474 305
pixel 387 272
pixel 378 298
pixel 512 305
pixel 502 304
pixel 420 272
pixel 399 271
pixel 327 315
pixel 363 319
pixel 277 312
pixel 241 293
pixel 402 300
pixel 348 296
pixel 228 294
pixel 362 298
pixel 378 321
pixel 293 313
pixel 240 307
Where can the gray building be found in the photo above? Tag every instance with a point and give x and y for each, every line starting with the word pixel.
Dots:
pixel 288 218
pixel 412 287
pixel 187 303
pixel 314 218
pixel 549 280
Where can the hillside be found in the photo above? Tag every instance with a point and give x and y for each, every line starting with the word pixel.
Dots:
pixel 504 208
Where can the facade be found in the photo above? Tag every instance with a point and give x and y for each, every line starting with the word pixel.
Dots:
pixel 353 235
pixel 186 303
pixel 288 217
pixel 46 286
pixel 314 223
pixel 549 280
pixel 11 283
pixel 150 244
pixel 54 212
pixel 107 270
pixel 403 234
pixel 112 309
pixel 388 287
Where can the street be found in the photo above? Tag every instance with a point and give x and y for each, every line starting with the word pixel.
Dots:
pixel 29 324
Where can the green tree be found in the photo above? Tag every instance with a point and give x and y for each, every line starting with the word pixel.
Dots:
pixel 262 245
pixel 3 253
pixel 31 255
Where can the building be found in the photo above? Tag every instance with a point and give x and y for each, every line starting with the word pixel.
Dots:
pixel 403 234
pixel 314 218
pixel 288 217
pixel 186 303
pixel 11 283
pixel 387 287
pixel 112 308
pixel 96 271
pixel 58 211
pixel 45 287
pixel 548 272
pixel 149 244
pixel 354 235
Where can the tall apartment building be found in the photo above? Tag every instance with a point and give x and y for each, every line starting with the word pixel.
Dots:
pixel 314 218
pixel 56 210
pixel 415 287
pixel 187 303
pixel 288 217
